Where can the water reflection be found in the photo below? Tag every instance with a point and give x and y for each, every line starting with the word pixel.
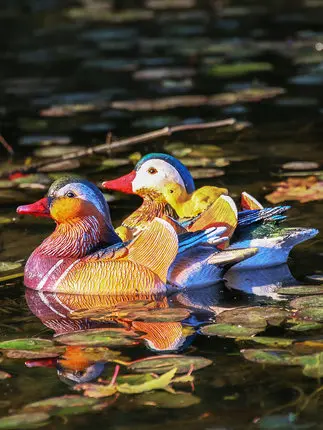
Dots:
pixel 79 363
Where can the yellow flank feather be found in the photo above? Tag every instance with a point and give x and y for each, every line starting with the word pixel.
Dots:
pixel 191 205
pixel 125 233
pixel 222 213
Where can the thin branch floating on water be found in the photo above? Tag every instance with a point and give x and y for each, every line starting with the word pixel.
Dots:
pixel 122 143
pixel 6 145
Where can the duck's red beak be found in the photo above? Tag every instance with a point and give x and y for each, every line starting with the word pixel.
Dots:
pixel 123 184
pixel 39 208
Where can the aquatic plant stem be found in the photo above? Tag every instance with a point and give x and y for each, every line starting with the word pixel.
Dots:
pixel 108 146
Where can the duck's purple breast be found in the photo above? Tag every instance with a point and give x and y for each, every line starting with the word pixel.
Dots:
pixel 43 272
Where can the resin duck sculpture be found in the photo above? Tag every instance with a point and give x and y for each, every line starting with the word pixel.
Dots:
pixel 85 255
pixel 255 226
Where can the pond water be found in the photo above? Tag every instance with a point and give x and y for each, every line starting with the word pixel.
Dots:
pixel 73 71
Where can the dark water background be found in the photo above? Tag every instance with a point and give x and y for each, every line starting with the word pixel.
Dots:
pixel 80 57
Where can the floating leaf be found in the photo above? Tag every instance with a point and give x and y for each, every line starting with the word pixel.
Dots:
pixel 229 330
pixel 6 266
pixel 302 189
pixel 306 326
pixel 315 278
pixel 167 400
pixel 24 421
pixel 99 337
pixel 136 314
pixel 307 302
pixel 97 391
pixel 301 290
pixel 268 356
pixel 55 151
pixel 314 314
pixel 4 375
pixel 27 344
pixel 238 69
pixel 273 342
pixel 206 173
pixel 256 317
pixel 64 405
pixel 26 354
pixel 163 363
pixel 300 165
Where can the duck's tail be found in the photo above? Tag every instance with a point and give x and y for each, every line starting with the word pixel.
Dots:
pixel 273 242
pixel 247 218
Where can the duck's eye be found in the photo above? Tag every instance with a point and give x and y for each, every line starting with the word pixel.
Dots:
pixel 70 194
pixel 152 170
pixel 171 191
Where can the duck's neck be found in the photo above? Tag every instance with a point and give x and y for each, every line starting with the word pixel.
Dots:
pixel 153 205
pixel 78 237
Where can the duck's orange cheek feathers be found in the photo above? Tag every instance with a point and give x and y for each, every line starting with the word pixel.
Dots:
pixel 65 208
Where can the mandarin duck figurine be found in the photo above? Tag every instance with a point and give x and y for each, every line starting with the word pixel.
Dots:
pixel 85 255
pixel 190 205
pixel 254 226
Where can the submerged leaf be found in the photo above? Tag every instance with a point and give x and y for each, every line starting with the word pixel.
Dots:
pixel 313 313
pixel 159 383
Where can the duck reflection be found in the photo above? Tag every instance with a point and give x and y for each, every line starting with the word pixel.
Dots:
pixel 68 313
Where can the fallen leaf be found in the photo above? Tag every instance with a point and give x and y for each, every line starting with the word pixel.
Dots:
pixel 302 189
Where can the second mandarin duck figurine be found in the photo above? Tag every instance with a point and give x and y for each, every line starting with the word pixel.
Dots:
pixel 255 226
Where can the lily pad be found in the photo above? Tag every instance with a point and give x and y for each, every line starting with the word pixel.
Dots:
pixel 229 330
pixel 99 337
pixel 64 405
pixel 29 355
pixel 307 302
pixel 207 173
pixel 163 363
pixel 6 266
pixel 306 326
pixel 301 165
pixel 273 342
pixel 27 344
pixel 24 421
pixel 162 399
pixel 256 317
pixel 314 314
pixel 270 356
pixel 238 69
pixel 301 290
pixel 137 314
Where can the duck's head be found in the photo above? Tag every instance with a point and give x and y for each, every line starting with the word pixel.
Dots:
pixel 69 199
pixel 153 172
